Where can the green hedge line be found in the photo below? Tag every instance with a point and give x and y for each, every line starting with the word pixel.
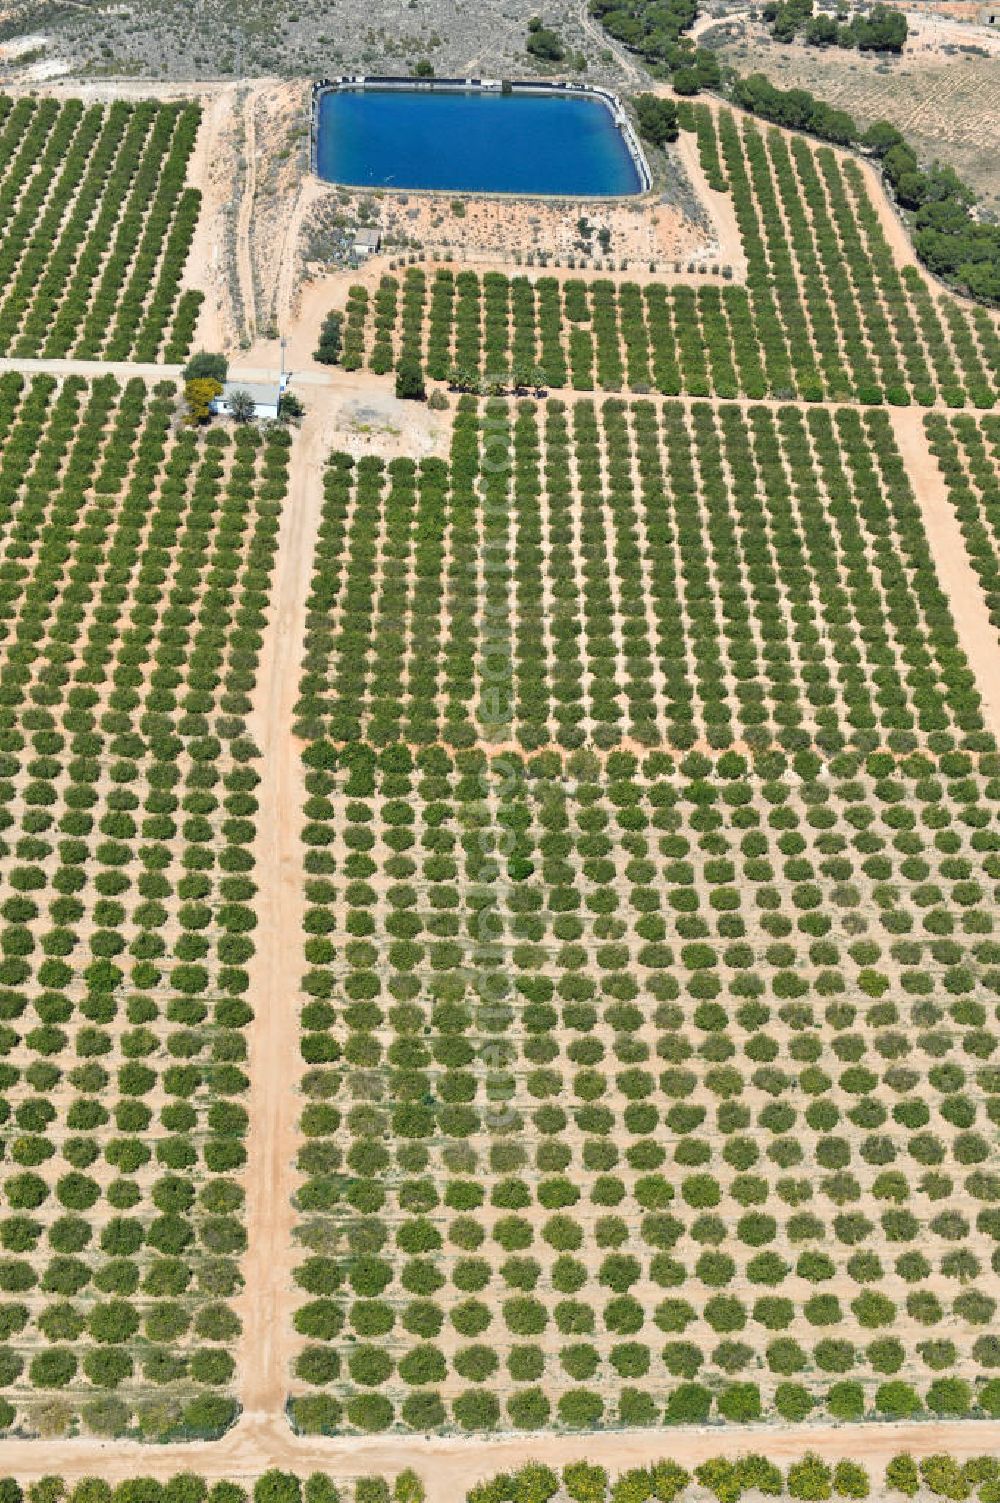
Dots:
pixel 811 1478
pixel 272 1486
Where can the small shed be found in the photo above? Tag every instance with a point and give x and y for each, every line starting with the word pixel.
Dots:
pixel 264 394
pixel 367 243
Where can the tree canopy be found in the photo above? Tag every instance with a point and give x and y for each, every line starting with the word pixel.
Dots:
pixel 657 118
pixel 883 29
pixel 328 349
pixel 796 109
pixel 410 380
pixel 242 406
pixel 204 364
pixel 655 30
pixel 948 235
pixel 544 43
pixel 199 394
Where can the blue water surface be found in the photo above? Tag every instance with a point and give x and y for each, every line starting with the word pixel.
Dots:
pixel 472 142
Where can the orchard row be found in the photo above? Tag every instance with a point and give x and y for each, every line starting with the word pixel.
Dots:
pixel 647 1093
pixel 95 229
pixel 835 316
pixel 810 1478
pixel 825 314
pixel 134 568
pixel 669 573
pixel 188 1487
pixel 968 453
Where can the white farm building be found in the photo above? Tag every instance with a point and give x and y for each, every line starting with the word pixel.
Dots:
pixel 265 396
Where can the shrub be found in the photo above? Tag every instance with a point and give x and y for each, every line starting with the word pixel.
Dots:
pixel 902 1476
pixel 580 1409
pixel 688 1404
pixel 476 1410
pixel 740 1402
pixel 409 380
pixel 657 118
pixel 850 1480
pixel 204 365
pixel 793 1402
pixel 585 1482
pixel 809 1478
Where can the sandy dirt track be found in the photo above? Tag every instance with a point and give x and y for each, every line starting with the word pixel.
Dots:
pixel 244 220
pixel 122 370
pixel 268 1297
pixel 450 1465
pixel 310 192
pixel 951 561
pixel 206 263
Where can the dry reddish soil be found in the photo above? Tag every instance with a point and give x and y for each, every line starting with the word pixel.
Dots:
pixel 357 413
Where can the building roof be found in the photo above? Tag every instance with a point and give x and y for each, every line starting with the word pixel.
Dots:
pixel 368 237
pixel 264 393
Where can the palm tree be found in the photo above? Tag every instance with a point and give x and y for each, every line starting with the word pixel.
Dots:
pixel 242 406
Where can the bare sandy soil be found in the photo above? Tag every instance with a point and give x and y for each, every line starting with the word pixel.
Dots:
pixel 206 265
pixel 283 190
pixel 719 206
pixel 92 90
pixel 244 217
pixel 124 370
pixel 268 1297
pixel 507 231
pixel 358 413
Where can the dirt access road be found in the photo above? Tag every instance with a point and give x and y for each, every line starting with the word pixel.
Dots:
pixel 122 370
pixel 959 581
pixel 451 1465
pixel 349 414
pixel 244 218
